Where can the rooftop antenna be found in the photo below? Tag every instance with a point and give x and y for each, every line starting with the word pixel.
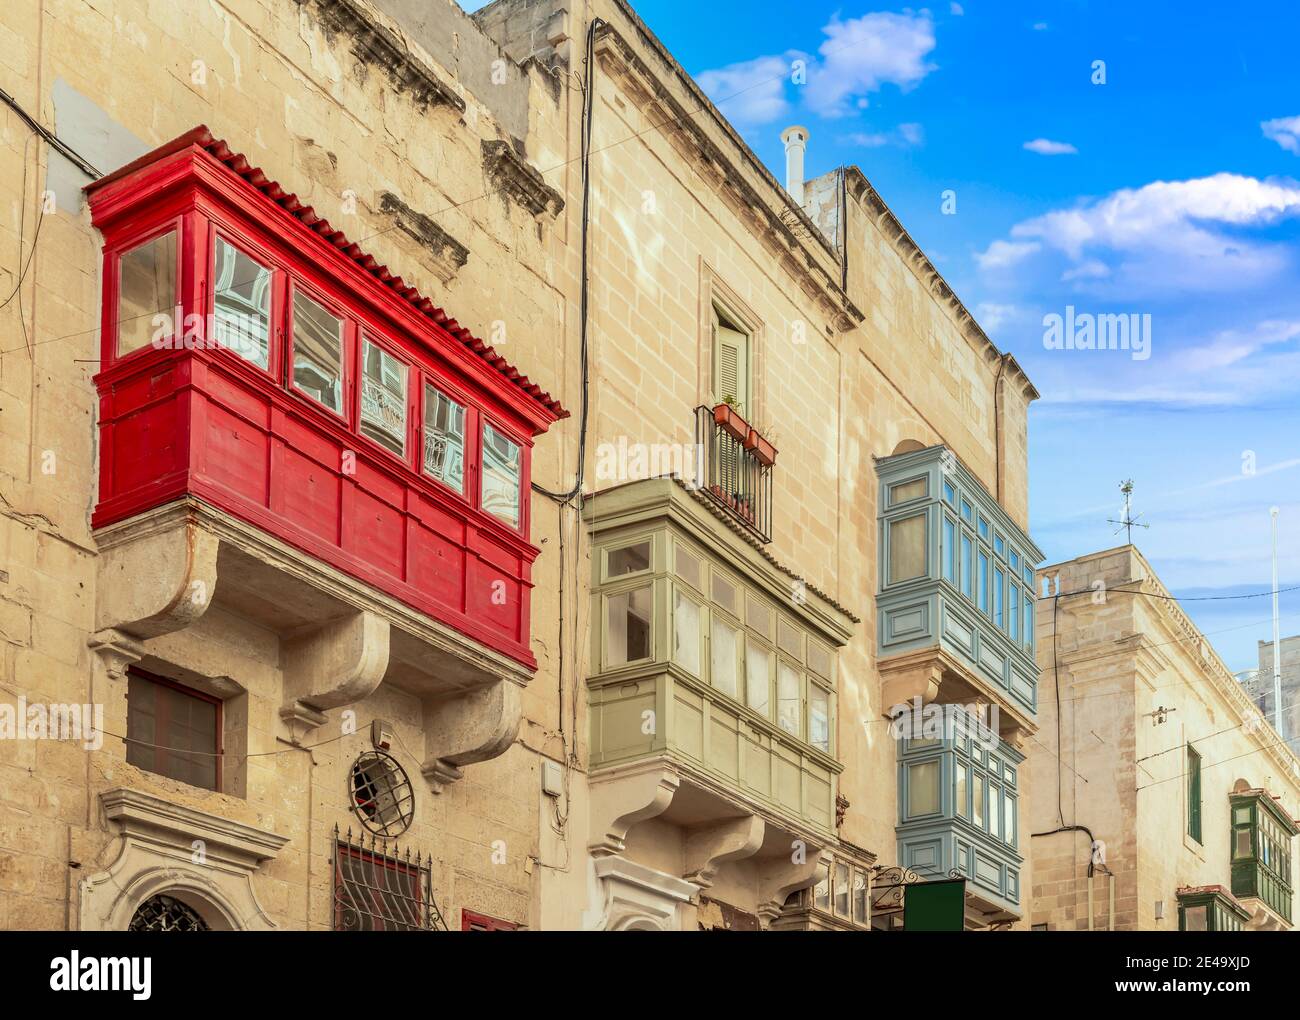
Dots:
pixel 1129 522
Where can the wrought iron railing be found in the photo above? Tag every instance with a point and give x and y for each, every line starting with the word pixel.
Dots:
pixel 378 887
pixel 734 474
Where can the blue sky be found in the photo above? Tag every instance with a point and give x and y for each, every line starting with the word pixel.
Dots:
pixel 1172 190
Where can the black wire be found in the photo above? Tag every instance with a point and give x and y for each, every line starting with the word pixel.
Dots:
pixel 589 104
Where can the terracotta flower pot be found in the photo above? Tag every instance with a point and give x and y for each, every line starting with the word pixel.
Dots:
pixel 729 418
pixel 761 448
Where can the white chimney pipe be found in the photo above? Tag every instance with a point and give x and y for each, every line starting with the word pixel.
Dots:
pixel 796 141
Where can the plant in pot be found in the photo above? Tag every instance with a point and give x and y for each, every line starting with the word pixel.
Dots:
pixel 727 414
pixel 763 450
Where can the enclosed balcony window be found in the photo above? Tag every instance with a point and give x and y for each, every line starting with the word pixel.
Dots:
pixel 317 352
pixel 146 295
pixel 727 650
pixel 1209 908
pixel 501 477
pixel 1262 847
pixel 787 699
pixel 383 397
pixel 907 548
pixel 241 303
pixel 686 632
pixel 444 439
pixel 629 632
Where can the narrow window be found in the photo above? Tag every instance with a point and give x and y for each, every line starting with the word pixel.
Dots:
pixel 904 491
pixel 1013 617
pixel 317 352
pixel 977 800
pixel 822 890
pixel 982 595
pixel 859 896
pixel 819 717
pixel 687 566
pixel 842 889
pixel 241 303
pixel 731 362
pixel 172 730
pixel 758 678
pixel 630 559
pixel 725 655
pixel 906 548
pixel 444 439
pixel 146 294
pixel 787 699
pixel 1193 793
pixel 383 398
pixel 999 586
pixel 959 789
pixel 922 789
pixel 967 564
pixel 949 550
pixel 501 464
pixel 628 634
pixel 686 633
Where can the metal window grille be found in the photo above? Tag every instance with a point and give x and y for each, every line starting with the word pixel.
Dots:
pixel 380 887
pixel 163 913
pixel 733 475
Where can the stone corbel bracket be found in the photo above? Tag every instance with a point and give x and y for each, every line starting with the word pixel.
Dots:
pixel 518 180
pixel 711 846
pixel 205 860
pixel 778 878
pixel 449 255
pixel 155 582
pixel 622 798
pixel 468 728
pixel 337 664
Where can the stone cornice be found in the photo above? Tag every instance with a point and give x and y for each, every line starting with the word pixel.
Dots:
pixel 373 41
pixel 152 820
pixel 449 255
pixel 770 223
pixel 861 189
pixel 519 180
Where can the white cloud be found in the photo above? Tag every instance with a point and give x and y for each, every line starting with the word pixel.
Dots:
pixel 751 92
pixel 1040 26
pixel 1044 147
pixel 993 316
pixel 957 9
pixel 1167 235
pixel 904 136
pixel 1003 254
pixel 1234 345
pixel 863 54
pixel 1285 131
pixel 1093 269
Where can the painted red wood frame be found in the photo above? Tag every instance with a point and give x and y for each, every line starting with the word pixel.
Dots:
pixel 197 419
pixel 472 921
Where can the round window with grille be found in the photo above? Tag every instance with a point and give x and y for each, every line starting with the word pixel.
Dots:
pixel 163 913
pixel 381 794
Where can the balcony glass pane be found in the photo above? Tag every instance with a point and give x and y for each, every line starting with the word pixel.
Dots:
pixel 859 896
pixel 631 559
pixel 923 789
pixel 1013 616
pixel 819 717
pixel 977 801
pixel 628 634
pixel 501 466
pixel 949 550
pixel 959 793
pixel 687 567
pixel 1009 819
pixel 1241 848
pixel 758 679
pixel 999 587
pixel 1029 622
pixel 759 616
pixel 146 299
pixel 317 352
pixel 1196 918
pixel 724 593
pixel 383 398
pixel 842 889
pixel 904 491
pixel 787 699
pixel 995 810
pixel 241 303
pixel 725 655
pixel 907 548
pixel 822 890
pixel 982 581
pixel 967 566
pixel 949 494
pixel 686 633
pixel 444 439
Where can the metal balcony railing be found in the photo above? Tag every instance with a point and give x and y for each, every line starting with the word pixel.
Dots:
pixel 733 474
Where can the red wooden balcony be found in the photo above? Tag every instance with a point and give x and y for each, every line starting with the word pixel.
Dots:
pixel 257 360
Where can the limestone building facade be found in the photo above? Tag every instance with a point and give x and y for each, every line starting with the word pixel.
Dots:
pixel 474 492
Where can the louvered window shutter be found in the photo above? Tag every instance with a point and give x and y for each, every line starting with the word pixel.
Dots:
pixel 731 365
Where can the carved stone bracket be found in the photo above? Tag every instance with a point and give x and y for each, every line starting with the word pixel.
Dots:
pixel 711 846
pixel 777 878
pixel 449 255
pixel 337 664
pixel 469 728
pixel 620 800
pixel 154 583
pixel 117 650
pixel 518 180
